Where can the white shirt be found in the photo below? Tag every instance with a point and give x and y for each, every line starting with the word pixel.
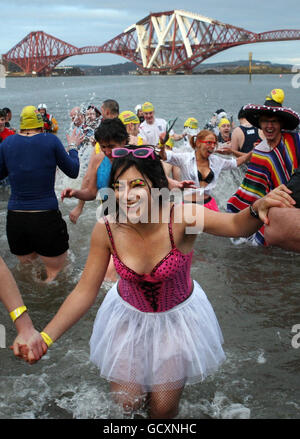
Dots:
pixel 151 133
pixel 263 146
pixel 186 161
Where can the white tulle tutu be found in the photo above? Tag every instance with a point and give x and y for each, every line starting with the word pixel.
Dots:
pixel 170 349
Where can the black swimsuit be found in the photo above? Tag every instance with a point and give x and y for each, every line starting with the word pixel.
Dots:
pixel 208 179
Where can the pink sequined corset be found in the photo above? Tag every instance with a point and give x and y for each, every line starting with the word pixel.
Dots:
pixel 168 284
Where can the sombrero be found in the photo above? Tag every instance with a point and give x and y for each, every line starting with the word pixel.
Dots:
pixel 289 118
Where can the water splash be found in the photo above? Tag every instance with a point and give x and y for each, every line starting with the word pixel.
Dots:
pixel 261 359
pixel 220 407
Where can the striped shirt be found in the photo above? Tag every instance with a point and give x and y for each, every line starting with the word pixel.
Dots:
pixel 266 171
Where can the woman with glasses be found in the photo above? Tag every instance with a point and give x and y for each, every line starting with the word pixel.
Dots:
pixel 155 331
pixel 202 165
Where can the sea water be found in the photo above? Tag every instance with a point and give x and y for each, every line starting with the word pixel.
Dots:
pixel 254 291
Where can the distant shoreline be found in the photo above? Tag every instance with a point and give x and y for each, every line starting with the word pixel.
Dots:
pixel 227 73
pixel 240 67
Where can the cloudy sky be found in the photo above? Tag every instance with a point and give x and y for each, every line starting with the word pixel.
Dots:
pixel 93 22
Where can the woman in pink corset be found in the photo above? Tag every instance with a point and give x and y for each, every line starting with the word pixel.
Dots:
pixel 155 331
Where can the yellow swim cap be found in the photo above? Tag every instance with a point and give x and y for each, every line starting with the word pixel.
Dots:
pixel 192 123
pixel 223 121
pixel 170 143
pixel 30 118
pixel 277 95
pixel 147 107
pixel 128 117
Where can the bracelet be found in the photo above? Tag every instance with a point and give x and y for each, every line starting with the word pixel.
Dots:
pixel 16 313
pixel 72 145
pixel 253 212
pixel 47 339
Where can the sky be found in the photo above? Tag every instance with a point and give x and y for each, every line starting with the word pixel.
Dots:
pixel 91 22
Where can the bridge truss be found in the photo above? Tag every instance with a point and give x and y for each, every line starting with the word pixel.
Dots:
pixel 165 41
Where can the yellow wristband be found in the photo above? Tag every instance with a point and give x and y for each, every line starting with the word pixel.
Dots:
pixel 47 339
pixel 17 312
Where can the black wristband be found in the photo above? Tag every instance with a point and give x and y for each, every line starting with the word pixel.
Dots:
pixel 253 212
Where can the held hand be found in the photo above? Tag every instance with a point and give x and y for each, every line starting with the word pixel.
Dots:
pixel 279 197
pixel 30 346
pixel 67 193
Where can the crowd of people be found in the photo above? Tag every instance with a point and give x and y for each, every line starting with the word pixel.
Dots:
pixel 155 331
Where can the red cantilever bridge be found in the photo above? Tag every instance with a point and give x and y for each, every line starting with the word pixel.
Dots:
pixel 165 41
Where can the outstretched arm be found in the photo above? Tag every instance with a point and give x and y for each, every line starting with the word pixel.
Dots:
pixel 243 157
pixel 13 302
pixel 83 296
pixel 9 293
pixel 88 190
pixel 241 223
pixel 76 212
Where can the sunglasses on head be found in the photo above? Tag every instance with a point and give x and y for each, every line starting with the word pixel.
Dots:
pixel 140 153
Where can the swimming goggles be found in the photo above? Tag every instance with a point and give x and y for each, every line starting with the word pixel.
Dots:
pixel 140 153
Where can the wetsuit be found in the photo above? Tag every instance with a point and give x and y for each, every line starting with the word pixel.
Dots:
pixel 251 137
pixel 30 163
pixel 34 222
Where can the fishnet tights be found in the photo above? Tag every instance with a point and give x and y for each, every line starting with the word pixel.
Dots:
pixel 162 402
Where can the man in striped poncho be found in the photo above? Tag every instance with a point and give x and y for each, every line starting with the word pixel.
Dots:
pixel 273 161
